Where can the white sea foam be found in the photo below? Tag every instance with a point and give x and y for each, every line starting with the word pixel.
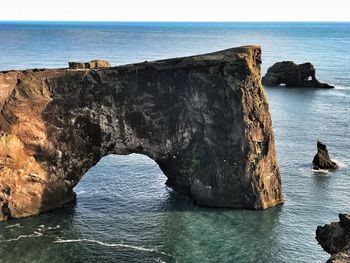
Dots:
pixel 341 88
pixel 52 228
pixel 39 232
pixel 44 228
pixel 321 172
pixel 15 225
pixel 34 235
pixel 327 171
pixel 117 245
pixel 340 164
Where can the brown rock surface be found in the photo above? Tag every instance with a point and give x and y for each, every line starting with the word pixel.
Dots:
pixel 203 119
pixel 293 75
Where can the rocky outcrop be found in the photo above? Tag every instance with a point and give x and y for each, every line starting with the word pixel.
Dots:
pixel 89 65
pixel 335 239
pixel 203 119
pixel 322 159
pixel 293 75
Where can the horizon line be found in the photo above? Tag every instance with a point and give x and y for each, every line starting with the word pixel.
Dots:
pixel 182 21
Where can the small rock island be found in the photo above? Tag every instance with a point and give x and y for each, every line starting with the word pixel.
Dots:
pixel 203 119
pixel 293 75
pixel 322 159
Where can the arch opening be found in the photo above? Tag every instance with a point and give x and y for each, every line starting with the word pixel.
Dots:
pixel 124 182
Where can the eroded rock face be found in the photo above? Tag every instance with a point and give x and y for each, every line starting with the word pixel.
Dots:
pixel 293 75
pixel 335 239
pixel 322 159
pixel 203 119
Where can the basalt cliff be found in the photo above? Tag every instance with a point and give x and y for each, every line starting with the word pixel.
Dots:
pixel 204 119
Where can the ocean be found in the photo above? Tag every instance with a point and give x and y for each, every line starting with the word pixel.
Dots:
pixel 124 211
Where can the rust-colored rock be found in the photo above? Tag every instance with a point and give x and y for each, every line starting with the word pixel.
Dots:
pixel 97 63
pixel 203 119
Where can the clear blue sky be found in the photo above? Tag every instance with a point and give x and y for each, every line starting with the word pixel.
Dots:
pixel 176 10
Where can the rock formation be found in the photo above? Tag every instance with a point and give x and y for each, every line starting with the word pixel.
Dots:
pixel 335 239
pixel 322 159
pixel 89 65
pixel 293 75
pixel 203 119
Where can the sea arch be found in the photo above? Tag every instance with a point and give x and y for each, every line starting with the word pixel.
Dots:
pixel 203 119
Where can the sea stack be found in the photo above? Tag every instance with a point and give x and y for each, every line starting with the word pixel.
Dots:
pixel 293 75
pixel 204 119
pixel 335 239
pixel 322 159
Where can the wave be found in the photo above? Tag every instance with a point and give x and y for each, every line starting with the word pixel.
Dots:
pixel 120 245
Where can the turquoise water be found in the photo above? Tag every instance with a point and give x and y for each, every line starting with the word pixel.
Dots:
pixel 125 213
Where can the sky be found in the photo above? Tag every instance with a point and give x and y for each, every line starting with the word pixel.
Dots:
pixel 176 10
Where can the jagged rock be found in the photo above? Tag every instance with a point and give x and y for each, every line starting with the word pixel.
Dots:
pixel 203 119
pixel 293 75
pixel 335 239
pixel 322 159
pixel 89 65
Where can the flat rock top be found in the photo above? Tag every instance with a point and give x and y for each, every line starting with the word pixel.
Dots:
pixel 231 54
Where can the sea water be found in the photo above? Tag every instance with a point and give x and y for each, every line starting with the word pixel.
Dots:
pixel 124 211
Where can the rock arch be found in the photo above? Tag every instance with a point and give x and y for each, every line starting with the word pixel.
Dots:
pixel 203 119
pixel 292 75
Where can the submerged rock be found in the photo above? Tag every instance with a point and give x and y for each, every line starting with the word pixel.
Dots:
pixel 293 75
pixel 203 119
pixel 89 65
pixel 335 239
pixel 322 159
